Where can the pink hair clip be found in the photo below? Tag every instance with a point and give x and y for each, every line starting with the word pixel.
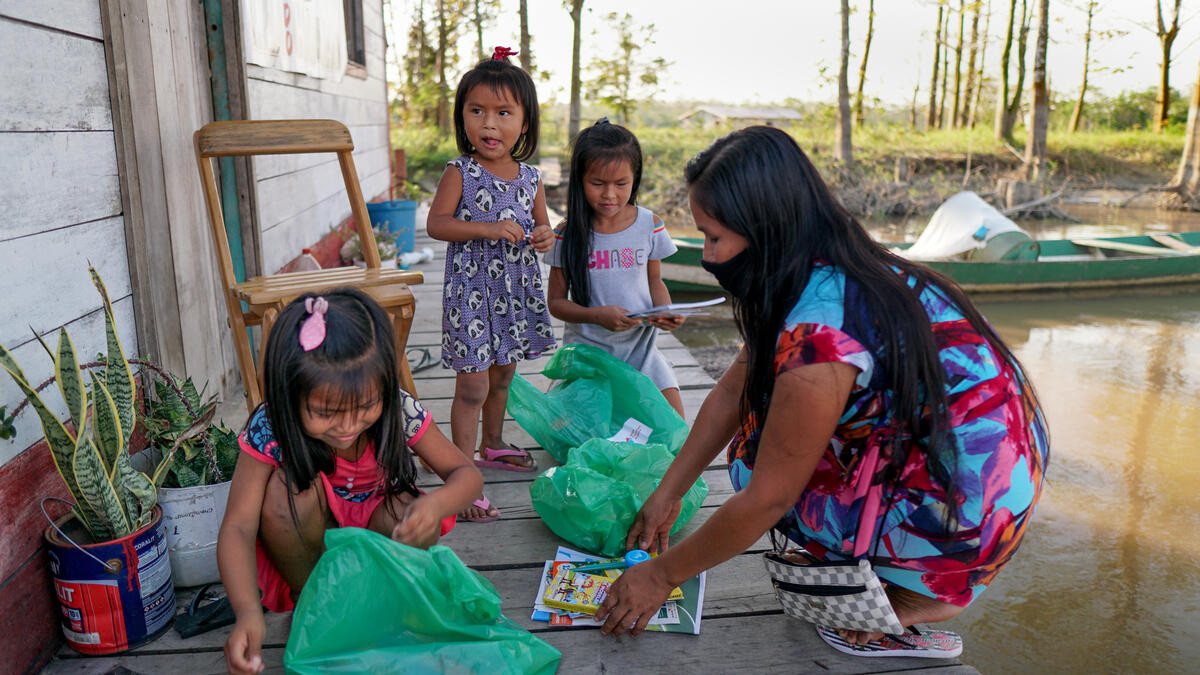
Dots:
pixel 501 53
pixel 312 330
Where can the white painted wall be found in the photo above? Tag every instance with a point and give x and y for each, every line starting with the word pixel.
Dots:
pixel 60 196
pixel 299 197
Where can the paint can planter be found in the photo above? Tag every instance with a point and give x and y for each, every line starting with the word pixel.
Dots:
pixel 398 217
pixel 115 595
pixel 192 518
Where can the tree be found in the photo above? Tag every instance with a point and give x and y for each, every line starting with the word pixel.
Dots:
pixel 575 7
pixel 931 118
pixel 1166 38
pixel 1186 183
pixel 844 152
pixel 1007 116
pixel 862 67
pixel 624 79
pixel 987 26
pixel 964 116
pixel 1035 147
pixel 1073 125
pixel 419 91
pixel 945 40
pixel 958 50
pixel 526 60
pixel 484 14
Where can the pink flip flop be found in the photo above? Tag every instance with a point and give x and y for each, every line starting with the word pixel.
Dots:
pixel 490 457
pixel 485 505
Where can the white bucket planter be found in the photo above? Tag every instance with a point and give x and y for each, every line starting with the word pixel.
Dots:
pixel 192 517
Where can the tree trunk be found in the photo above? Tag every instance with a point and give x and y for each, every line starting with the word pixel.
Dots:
pixel 575 112
pixel 1077 113
pixel 931 118
pixel 526 61
pixel 1187 178
pixel 1166 38
pixel 844 152
pixel 1002 94
pixel 862 67
pixel 478 31
pixel 1014 104
pixel 958 50
pixel 912 109
pixel 945 40
pixel 443 100
pixel 1035 148
pixel 983 43
pixel 964 117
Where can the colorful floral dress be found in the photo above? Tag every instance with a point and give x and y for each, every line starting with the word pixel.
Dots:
pixel 846 511
pixel 493 305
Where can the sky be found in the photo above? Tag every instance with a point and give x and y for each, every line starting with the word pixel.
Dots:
pixel 766 51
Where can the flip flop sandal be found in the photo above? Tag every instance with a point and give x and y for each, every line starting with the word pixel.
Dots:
pixel 930 644
pixel 423 359
pixel 490 457
pixel 485 505
pixel 197 618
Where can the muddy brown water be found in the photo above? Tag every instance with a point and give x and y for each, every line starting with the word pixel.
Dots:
pixel 1108 577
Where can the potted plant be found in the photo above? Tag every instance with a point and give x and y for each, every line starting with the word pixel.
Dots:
pixel 385 242
pixel 196 459
pixel 107 555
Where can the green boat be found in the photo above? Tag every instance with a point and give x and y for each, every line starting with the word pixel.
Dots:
pixel 996 256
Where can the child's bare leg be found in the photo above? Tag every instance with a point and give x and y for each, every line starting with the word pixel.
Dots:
pixel 389 513
pixel 500 377
pixel 293 551
pixel 911 608
pixel 470 393
pixel 672 396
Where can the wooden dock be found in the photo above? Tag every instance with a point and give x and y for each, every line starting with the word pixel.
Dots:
pixel 743 627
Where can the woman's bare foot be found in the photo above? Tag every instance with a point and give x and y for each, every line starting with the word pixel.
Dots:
pixel 911 608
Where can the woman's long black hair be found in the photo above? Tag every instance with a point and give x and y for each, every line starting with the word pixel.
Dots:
pixel 357 355
pixel 758 183
pixel 597 145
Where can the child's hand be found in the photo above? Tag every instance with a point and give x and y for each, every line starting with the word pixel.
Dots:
pixel 419 526
pixel 542 238
pixel 613 318
pixel 243 648
pixel 505 229
pixel 666 322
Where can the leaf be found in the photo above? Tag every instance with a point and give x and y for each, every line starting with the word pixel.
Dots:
pixel 138 487
pixel 62 444
pixel 70 379
pixel 186 476
pixel 118 376
pixel 111 520
pixel 106 426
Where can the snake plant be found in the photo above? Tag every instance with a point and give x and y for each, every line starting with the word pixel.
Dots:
pixel 112 499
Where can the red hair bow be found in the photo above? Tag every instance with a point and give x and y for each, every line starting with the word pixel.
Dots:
pixel 502 53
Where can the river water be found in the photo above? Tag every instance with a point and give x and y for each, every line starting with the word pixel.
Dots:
pixel 1108 577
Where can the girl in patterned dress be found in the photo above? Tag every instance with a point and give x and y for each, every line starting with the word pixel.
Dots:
pixel 331 446
pixel 491 208
pixel 873 413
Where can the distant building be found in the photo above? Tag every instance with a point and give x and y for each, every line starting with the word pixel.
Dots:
pixel 708 116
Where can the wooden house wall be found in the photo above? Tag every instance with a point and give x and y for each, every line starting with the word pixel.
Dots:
pixel 300 197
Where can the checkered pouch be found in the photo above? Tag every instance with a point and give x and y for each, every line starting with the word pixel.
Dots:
pixel 839 594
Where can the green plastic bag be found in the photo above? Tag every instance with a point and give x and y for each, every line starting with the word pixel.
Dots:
pixel 598 396
pixel 376 605
pixel 592 499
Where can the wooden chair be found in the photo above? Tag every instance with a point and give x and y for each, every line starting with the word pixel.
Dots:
pixel 265 296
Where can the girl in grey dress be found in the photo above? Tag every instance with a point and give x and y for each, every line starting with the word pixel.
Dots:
pixel 605 260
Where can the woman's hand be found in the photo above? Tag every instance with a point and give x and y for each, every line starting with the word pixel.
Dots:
pixel 420 525
pixel 542 238
pixel 243 648
pixel 614 318
pixel 633 599
pixel 652 525
pixel 666 322
pixel 504 229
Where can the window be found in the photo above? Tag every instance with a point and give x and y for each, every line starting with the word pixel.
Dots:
pixel 356 46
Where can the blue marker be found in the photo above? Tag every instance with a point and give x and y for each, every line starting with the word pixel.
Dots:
pixel 632 558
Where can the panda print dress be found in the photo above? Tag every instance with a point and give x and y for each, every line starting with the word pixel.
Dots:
pixel 493 304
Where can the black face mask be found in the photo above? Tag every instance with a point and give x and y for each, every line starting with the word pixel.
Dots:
pixel 733 274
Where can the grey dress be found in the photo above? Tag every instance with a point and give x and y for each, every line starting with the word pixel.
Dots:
pixel 617 276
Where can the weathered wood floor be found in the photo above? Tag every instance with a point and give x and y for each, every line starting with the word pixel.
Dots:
pixel 743 627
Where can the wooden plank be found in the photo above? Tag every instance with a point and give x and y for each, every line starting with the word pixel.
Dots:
pixel 81 17
pixel 53 180
pixel 183 661
pixel 272 100
pixel 30 473
pixel 1177 244
pixel 46 279
pixel 1127 248
pixel 289 194
pixel 272 136
pixel 28 615
pixel 366 137
pixel 74 98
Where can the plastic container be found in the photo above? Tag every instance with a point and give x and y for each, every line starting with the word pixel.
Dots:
pixel 306 262
pixel 398 217
pixel 192 517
